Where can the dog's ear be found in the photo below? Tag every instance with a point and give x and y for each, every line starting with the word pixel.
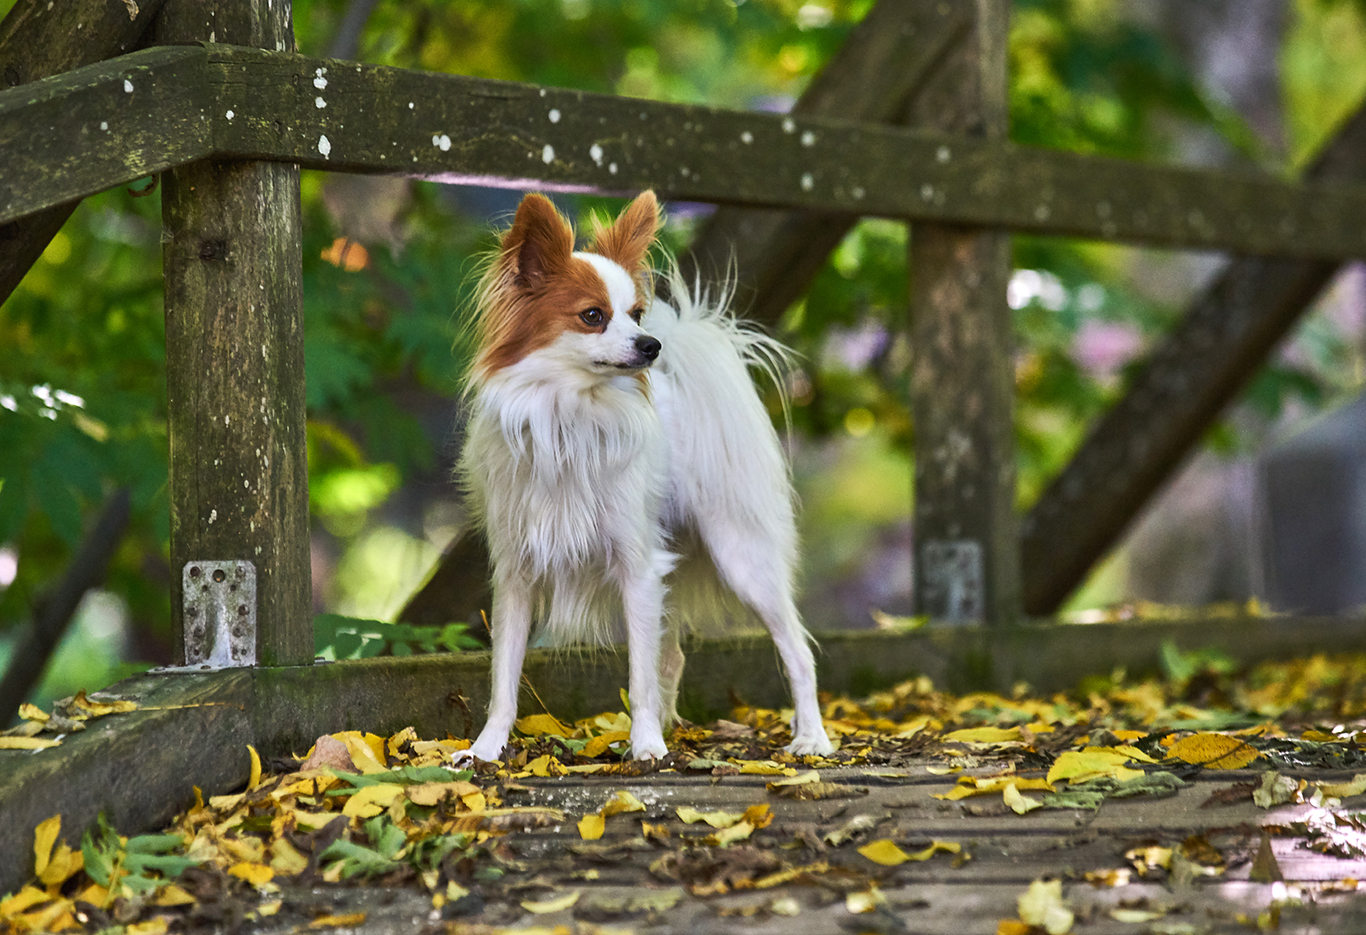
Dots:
pixel 628 239
pixel 539 243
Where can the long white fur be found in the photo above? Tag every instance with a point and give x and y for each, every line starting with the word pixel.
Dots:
pixel 582 481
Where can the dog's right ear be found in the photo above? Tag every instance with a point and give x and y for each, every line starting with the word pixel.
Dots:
pixel 539 244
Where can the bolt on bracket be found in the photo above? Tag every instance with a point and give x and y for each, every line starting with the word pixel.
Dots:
pixel 220 614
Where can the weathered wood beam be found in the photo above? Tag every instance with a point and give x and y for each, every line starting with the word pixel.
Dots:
pixel 1212 353
pixel 39 39
pixel 235 363
pixel 341 116
pixel 877 72
pixel 966 564
pixel 195 728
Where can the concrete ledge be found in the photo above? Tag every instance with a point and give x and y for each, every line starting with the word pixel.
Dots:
pixel 141 768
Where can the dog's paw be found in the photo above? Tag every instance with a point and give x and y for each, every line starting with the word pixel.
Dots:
pixel 812 745
pixel 481 749
pixel 649 746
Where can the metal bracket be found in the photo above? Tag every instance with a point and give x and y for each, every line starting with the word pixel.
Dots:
pixel 952 574
pixel 220 614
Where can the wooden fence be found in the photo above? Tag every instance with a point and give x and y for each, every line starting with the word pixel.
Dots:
pixel 908 122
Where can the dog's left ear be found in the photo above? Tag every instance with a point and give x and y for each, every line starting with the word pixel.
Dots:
pixel 628 239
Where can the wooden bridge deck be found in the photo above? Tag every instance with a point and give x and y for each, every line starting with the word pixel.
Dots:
pixel 1209 886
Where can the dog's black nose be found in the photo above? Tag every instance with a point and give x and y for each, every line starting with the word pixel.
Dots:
pixel 647 346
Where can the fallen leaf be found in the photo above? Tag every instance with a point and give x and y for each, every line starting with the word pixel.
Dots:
pixel 864 901
pixel 984 735
pixel 254 779
pixel 1213 751
pixel 800 779
pixel 1343 790
pixel 1275 789
pixel 1018 803
pixel 591 827
pixel 369 801
pixel 1079 766
pixel 1135 916
pixel 600 744
pixel 30 712
pixel 429 794
pixel 813 791
pixel 689 815
pixel 27 743
pixel 44 838
pixel 1265 867
pixel 623 801
pixel 728 836
pixel 255 874
pixel 1042 905
pixel 852 829
pixel 765 768
pixel 546 906
pixel 337 921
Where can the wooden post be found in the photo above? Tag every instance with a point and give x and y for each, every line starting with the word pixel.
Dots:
pixel 234 358
pixel 962 383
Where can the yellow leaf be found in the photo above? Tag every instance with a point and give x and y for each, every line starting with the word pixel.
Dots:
pixel 690 815
pixel 972 785
pixel 32 713
pixel 349 920
pixel 546 765
pixel 1013 927
pixel 173 894
pixel 65 863
pixel 368 756
pixel 255 874
pixel 27 743
pixel 622 802
pixel 591 827
pixel 286 858
pixel 1019 804
pixel 1130 734
pixel 536 725
pixel 26 898
pixel 371 800
pixel 430 793
pixel 474 801
pixel 727 836
pixel 558 904
pixel 159 925
pixel 255 778
pixel 599 744
pixel 765 768
pixel 1213 751
pixel 864 901
pixel 1042 905
pixel 800 779
pixel 1078 766
pixel 1343 790
pixel 44 837
pixel 948 847
pixel 760 816
pixel 884 852
pixel 985 735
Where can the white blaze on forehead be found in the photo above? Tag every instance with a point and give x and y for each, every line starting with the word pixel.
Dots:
pixel 621 289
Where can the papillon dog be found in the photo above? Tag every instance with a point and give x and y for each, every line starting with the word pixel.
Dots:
pixel 610 433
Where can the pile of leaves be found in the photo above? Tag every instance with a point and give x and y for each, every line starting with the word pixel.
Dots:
pixel 395 809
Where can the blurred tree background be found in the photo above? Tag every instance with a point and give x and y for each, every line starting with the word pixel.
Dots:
pixel 387 268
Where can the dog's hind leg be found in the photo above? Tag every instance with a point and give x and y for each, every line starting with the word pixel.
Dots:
pixel 510 628
pixel 670 674
pixel 758 576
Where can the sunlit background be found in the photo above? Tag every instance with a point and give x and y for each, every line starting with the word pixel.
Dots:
pixel 387 265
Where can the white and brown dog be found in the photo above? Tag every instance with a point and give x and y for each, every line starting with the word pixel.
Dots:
pixel 610 429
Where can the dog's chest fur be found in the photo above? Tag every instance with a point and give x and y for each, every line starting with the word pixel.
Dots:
pixel 569 481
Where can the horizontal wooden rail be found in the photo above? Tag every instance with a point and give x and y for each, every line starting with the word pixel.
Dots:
pixel 85 131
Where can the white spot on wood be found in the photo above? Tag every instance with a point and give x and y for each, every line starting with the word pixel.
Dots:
pixel 213 515
pixel 808 138
pixel 319 81
pixel 324 147
pixel 319 103
pixel 542 92
pixel 554 115
pixel 104 125
pixel 596 152
pixel 807 182
pixel 127 86
pixel 410 105
pixel 612 168
pixel 548 154
pixel 943 154
pixel 684 171
pixel 1041 213
pixel 789 126
pixel 926 192
pixel 230 115
pixel 746 137
pixel 442 142
pixel 858 192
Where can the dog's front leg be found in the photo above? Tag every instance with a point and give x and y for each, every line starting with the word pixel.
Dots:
pixel 511 626
pixel 642 598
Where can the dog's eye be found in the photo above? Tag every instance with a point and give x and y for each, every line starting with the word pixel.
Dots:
pixel 635 314
pixel 592 316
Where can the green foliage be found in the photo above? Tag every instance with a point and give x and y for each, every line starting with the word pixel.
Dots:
pixel 340 637
pixel 123 866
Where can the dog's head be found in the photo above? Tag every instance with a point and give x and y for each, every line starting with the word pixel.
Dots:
pixel 579 310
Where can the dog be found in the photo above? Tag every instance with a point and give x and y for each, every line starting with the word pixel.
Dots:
pixel 607 428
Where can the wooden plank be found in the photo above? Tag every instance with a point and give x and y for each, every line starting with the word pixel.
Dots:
pixel 1187 381
pixel 39 39
pixel 962 377
pixel 877 72
pixel 84 131
pixel 198 733
pixel 235 362
pixel 472 130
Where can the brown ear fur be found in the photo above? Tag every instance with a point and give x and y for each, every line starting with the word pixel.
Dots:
pixel 629 238
pixel 539 244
